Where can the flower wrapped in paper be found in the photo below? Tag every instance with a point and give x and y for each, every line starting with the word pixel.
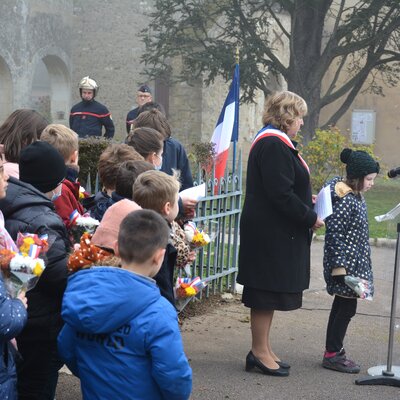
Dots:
pixel 23 267
pixel 81 224
pixel 86 254
pixel 187 287
pixel 362 287
pixel 197 238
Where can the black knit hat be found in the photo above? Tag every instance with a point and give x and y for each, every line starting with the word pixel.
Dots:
pixel 41 165
pixel 358 163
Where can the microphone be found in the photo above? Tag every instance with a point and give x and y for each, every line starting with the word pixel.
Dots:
pixel 393 172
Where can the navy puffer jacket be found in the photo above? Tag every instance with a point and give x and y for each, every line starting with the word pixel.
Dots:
pixel 28 210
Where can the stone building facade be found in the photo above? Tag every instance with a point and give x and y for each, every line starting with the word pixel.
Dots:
pixel 35 35
pixel 47 46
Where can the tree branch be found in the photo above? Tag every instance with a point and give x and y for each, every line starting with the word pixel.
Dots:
pixel 277 20
pixel 336 76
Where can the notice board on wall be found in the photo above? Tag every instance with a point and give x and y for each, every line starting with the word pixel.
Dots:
pixel 363 126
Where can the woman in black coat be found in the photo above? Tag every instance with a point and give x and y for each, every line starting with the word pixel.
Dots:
pixel 275 228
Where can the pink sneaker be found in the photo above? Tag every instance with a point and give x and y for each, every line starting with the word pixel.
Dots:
pixel 339 362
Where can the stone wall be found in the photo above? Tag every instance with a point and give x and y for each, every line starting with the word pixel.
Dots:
pixel 33 32
pixel 106 47
pixel 99 38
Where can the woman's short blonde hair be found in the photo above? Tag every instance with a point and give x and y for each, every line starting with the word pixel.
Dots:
pixel 282 108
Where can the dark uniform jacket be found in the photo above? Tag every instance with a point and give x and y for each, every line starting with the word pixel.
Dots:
pixel 88 117
pixel 276 220
pixel 174 157
pixel 28 210
pixel 131 116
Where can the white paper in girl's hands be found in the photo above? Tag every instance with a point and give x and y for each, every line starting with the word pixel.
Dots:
pixel 195 192
pixel 323 203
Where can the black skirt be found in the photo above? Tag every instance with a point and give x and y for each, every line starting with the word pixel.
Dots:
pixel 265 300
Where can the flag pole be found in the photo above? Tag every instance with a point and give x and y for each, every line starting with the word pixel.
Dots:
pixel 237 59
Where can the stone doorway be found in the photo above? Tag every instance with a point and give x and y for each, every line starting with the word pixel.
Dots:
pixel 6 91
pixel 51 89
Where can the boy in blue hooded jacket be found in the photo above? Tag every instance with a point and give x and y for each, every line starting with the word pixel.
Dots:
pixel 121 337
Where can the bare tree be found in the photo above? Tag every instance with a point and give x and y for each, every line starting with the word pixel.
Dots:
pixel 356 39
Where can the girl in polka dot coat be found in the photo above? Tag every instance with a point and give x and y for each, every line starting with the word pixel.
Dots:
pixel 347 251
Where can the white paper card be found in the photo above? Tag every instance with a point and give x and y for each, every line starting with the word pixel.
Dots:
pixel 195 192
pixel 323 204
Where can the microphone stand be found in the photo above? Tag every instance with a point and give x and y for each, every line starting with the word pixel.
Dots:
pixel 387 375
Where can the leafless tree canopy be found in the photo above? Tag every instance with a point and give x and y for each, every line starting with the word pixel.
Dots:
pixel 358 40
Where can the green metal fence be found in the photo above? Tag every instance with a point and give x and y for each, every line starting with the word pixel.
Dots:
pixel 217 263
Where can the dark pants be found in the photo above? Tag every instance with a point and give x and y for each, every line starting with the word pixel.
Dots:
pixel 38 372
pixel 343 309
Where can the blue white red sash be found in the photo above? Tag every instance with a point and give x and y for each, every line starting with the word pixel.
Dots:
pixel 268 132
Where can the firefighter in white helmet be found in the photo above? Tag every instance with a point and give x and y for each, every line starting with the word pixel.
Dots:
pixel 88 117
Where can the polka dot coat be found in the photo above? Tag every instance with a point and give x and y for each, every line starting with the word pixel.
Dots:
pixel 346 239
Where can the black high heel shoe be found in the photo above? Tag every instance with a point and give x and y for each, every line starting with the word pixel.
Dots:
pixel 252 361
pixel 283 364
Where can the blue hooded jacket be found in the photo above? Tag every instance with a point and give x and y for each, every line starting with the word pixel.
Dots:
pixel 121 338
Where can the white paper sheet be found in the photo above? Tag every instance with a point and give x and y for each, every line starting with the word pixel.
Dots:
pixel 323 204
pixel 195 192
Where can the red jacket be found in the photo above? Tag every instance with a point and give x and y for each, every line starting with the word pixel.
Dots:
pixel 68 201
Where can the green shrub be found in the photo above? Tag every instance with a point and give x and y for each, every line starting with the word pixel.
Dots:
pixel 90 150
pixel 202 156
pixel 322 155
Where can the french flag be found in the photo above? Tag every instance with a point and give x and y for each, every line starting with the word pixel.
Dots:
pixel 227 128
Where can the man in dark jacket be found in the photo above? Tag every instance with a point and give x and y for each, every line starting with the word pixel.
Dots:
pixel 88 117
pixel 143 96
pixel 28 208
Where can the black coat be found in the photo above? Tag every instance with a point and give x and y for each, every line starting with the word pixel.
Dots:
pixel 165 276
pixel 26 209
pixel 276 220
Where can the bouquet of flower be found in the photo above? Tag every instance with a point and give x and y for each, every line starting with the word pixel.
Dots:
pixel 362 287
pixel 198 238
pixel 22 267
pixel 79 224
pixel 85 254
pixel 186 289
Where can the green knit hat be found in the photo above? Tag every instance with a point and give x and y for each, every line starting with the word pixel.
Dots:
pixel 358 163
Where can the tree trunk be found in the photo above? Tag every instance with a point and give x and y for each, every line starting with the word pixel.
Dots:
pixel 305 46
pixel 312 100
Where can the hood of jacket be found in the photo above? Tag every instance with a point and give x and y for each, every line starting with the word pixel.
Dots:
pixel 102 299
pixel 20 195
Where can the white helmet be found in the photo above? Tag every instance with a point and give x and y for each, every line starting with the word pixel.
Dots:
pixel 89 84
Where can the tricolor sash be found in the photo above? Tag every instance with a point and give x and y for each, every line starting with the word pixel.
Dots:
pixel 268 132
